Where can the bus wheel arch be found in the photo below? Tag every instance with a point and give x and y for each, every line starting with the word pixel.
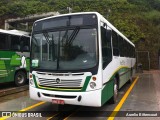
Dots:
pixel 20 77
pixel 117 79
pixel 115 89
pixel 131 76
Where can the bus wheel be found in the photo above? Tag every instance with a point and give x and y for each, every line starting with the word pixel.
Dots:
pixel 20 78
pixel 115 92
pixel 130 79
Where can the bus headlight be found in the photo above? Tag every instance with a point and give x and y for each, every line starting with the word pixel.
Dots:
pixel 31 81
pixel 92 85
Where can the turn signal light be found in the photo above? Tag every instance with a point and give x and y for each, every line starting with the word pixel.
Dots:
pixel 30 76
pixel 94 78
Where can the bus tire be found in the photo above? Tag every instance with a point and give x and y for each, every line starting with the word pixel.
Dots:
pixel 20 78
pixel 130 79
pixel 115 92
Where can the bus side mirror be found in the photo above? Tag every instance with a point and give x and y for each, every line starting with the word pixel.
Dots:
pixel 116 52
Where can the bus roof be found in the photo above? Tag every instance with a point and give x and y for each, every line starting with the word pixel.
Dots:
pixel 15 32
pixel 101 18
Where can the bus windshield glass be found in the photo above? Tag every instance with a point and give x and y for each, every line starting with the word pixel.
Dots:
pixel 68 49
pixel 72 47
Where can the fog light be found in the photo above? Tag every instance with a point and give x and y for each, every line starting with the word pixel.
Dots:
pixel 92 85
pixel 39 95
pixel 79 98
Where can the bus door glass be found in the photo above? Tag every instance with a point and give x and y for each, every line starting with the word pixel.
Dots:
pixel 106 45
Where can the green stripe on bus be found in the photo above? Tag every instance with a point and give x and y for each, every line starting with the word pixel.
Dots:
pixel 86 83
pixel 107 91
pixel 15 62
pixel 34 79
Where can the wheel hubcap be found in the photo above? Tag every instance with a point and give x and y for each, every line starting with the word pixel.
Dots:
pixel 20 79
pixel 115 91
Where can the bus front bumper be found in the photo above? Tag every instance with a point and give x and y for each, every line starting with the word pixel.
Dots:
pixel 90 98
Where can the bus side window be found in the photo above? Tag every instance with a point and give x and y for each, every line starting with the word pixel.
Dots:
pixel 15 43
pixel 106 46
pixel 3 42
pixel 25 44
pixel 121 46
pixel 115 42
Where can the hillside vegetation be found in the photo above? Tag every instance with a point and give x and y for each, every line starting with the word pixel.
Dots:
pixel 139 20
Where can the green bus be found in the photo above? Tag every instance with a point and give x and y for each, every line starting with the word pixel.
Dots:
pixel 14 56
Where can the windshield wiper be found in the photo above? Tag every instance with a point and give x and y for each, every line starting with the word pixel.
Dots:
pixel 73 36
pixel 47 37
pixel 65 36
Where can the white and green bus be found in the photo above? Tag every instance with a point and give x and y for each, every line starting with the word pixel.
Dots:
pixel 79 59
pixel 14 56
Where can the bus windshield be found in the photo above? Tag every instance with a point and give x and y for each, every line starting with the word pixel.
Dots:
pixel 67 49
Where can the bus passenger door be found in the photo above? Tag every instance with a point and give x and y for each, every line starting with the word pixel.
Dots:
pixel 106 46
pixel 3 58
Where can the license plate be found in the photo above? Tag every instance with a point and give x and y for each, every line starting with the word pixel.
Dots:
pixel 54 101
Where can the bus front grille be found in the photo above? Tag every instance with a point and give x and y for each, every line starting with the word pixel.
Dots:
pixel 60 74
pixel 60 83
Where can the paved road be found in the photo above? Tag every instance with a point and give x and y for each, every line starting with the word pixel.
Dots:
pixel 145 96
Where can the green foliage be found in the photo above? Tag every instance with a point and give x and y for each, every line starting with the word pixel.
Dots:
pixel 131 17
pixel 153 16
pixel 122 13
pixel 130 29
